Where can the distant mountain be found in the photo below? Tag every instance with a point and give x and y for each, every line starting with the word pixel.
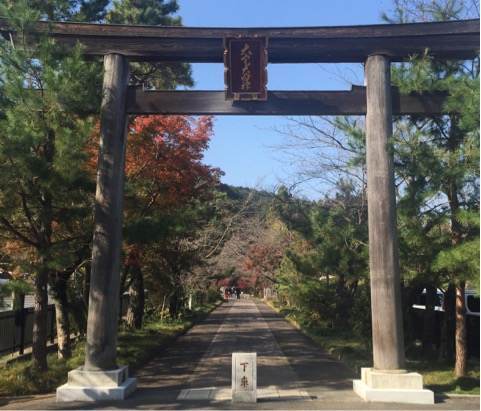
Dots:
pixel 241 193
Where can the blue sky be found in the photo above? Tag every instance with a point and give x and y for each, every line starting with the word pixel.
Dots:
pixel 243 146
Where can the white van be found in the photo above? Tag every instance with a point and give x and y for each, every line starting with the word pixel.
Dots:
pixel 471 300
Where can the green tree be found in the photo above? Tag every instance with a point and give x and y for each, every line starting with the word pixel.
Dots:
pixel 332 263
pixel 340 237
pixel 436 169
pixel 44 188
pixel 155 13
pixel 69 10
pixel 50 65
pixel 437 161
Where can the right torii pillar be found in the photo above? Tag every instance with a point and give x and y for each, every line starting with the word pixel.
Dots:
pixel 387 380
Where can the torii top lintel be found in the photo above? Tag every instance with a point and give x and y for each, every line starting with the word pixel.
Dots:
pixel 449 40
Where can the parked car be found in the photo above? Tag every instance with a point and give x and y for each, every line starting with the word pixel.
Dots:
pixel 471 300
pixel 472 318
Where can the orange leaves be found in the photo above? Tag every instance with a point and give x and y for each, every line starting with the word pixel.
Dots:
pixel 19 250
pixel 164 155
pixel 134 255
pixel 164 158
pixel 263 258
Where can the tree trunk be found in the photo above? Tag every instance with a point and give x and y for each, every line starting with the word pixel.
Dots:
pixel 63 330
pixel 123 280
pixel 429 326
pixel 135 311
pixel 409 293
pixel 86 288
pixel 19 308
pixel 446 350
pixel 80 315
pixel 341 303
pixel 163 308
pixel 461 342
pixel 39 337
pixel 59 289
pixel 451 190
pixel 18 300
pixel 40 310
pixel 175 303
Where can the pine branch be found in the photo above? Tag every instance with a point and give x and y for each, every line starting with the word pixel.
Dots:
pixel 17 233
pixel 28 214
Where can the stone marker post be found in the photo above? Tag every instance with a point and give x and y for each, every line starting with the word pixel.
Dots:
pixel 244 377
pixel 387 381
pixel 101 378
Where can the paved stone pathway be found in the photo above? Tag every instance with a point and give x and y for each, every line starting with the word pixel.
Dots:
pixel 194 372
pixel 244 330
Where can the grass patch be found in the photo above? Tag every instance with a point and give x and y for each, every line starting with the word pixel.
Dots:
pixel 343 345
pixel 439 377
pixel 18 378
pixel 135 348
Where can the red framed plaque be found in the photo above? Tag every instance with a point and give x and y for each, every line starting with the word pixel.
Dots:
pixel 245 68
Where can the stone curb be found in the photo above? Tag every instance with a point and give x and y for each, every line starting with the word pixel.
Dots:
pixel 457 395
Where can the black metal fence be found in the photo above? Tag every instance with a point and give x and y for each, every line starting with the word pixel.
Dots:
pixel 16 329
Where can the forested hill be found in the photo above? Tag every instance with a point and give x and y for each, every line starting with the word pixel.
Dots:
pixel 257 224
pixel 241 194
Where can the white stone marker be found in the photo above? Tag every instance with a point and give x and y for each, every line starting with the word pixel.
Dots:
pixel 244 377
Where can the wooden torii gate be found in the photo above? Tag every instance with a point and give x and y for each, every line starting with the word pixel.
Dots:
pixel 375 45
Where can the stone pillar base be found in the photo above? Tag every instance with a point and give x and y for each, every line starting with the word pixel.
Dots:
pixel 83 385
pixel 392 386
pixel 246 396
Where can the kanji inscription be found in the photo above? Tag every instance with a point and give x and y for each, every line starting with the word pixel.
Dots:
pixel 245 64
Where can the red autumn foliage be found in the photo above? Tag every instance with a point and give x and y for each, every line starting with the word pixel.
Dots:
pixel 164 155
pixel 164 158
pixel 261 262
pixel 243 282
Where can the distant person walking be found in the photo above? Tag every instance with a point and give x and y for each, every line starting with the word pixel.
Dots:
pixel 238 293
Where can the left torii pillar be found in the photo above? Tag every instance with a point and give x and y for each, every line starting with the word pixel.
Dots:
pixel 101 378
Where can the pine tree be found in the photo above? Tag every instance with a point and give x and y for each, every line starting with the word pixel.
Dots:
pixel 155 13
pixel 45 191
pixel 439 159
pixel 69 86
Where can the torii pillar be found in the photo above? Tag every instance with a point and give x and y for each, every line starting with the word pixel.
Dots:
pixel 386 381
pixel 101 378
